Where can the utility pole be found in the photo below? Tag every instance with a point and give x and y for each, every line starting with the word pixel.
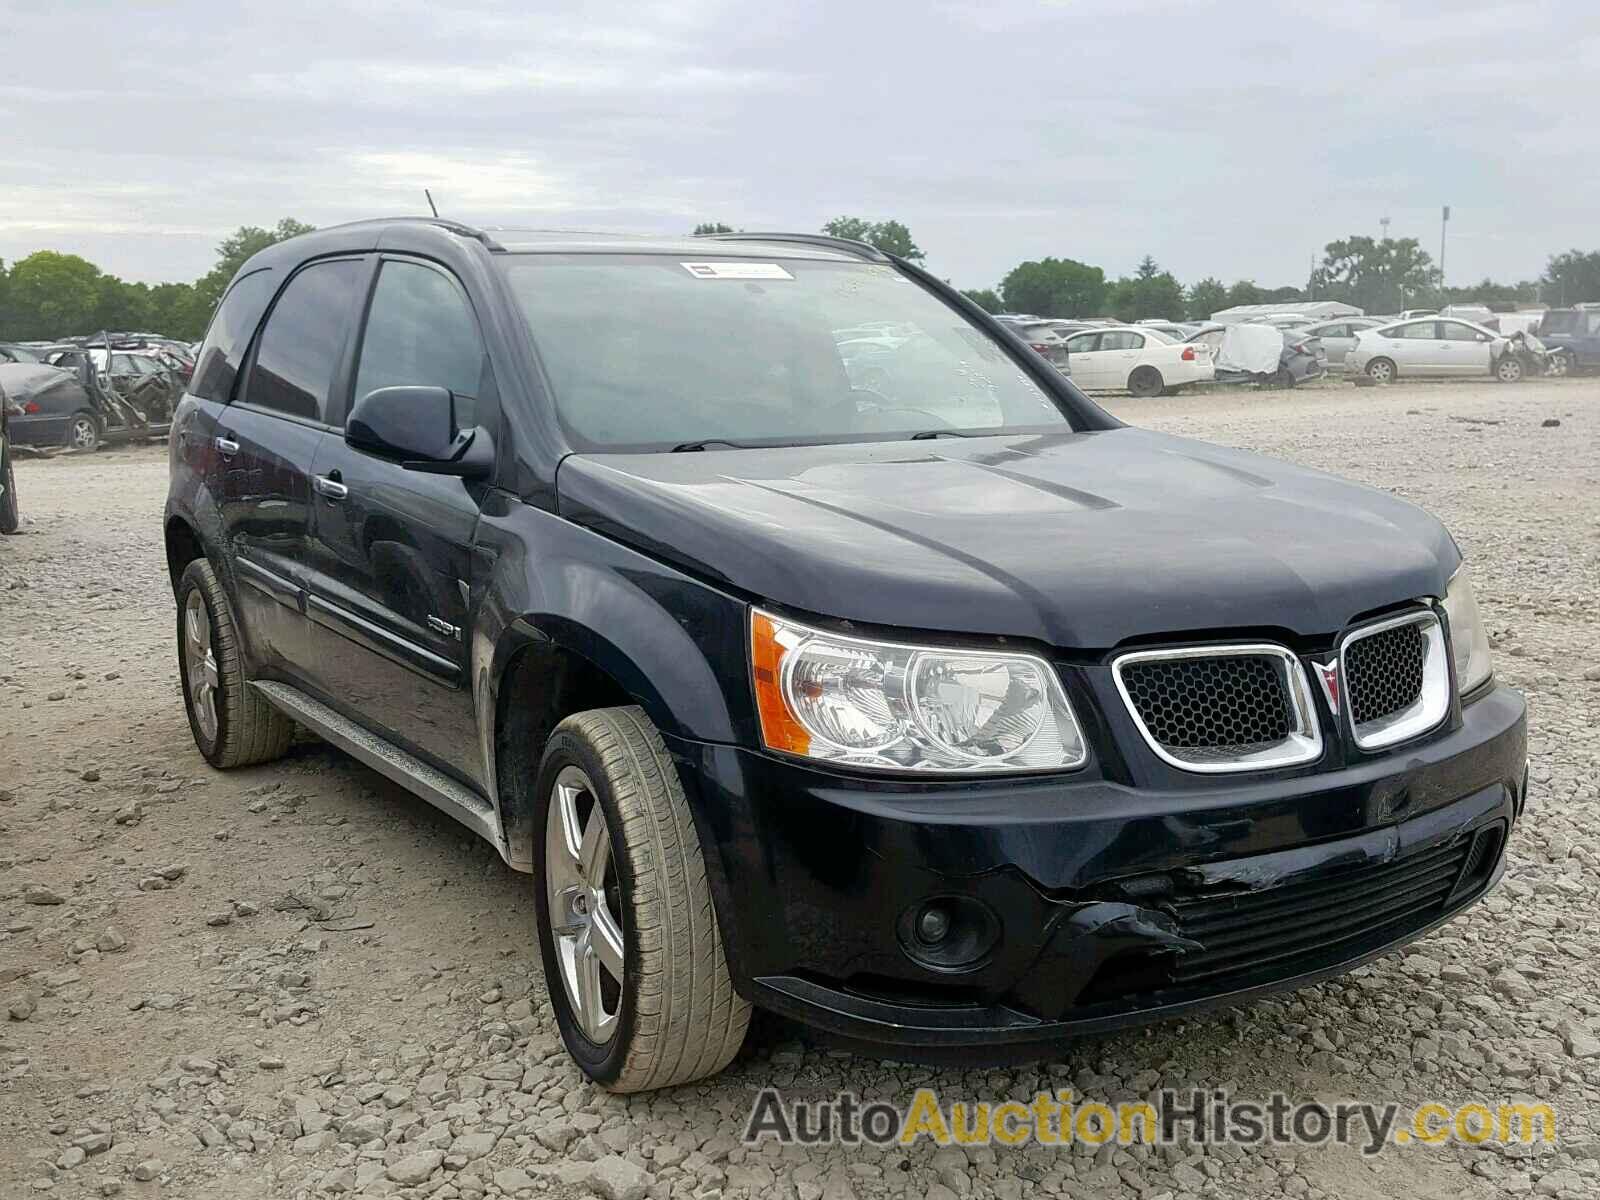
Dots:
pixel 1444 224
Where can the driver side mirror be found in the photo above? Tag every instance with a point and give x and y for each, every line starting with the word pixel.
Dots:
pixel 417 425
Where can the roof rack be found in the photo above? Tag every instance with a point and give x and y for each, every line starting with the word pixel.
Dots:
pixel 461 230
pixel 844 245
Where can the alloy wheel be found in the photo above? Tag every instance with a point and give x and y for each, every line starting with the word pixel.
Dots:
pixel 1380 371
pixel 585 900
pixel 200 659
pixel 83 434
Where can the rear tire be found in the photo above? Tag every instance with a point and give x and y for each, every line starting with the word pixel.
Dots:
pixel 84 432
pixel 660 1008
pixel 9 517
pixel 1283 379
pixel 1145 382
pixel 232 723
pixel 1381 370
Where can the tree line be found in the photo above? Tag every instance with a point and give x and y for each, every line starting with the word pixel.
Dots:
pixel 49 294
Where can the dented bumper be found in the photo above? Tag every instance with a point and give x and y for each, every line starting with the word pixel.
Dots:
pixel 1078 906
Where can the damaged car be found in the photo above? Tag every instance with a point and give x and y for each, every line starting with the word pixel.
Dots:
pixel 1266 355
pixel 961 722
pixel 1435 348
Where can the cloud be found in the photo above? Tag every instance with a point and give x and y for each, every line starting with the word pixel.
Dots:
pixel 1228 139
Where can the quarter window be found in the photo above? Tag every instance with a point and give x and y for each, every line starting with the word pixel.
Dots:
pixel 304 337
pixel 421 332
pixel 229 336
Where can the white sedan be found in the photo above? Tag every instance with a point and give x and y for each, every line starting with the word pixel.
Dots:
pixel 1428 347
pixel 1143 361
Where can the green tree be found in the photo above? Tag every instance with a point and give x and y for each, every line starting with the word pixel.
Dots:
pixel 1377 276
pixel 985 298
pixel 1055 287
pixel 1245 291
pixel 889 236
pixel 238 246
pixel 1572 278
pixel 708 227
pixel 1206 297
pixel 1501 297
pixel 52 295
pixel 1150 292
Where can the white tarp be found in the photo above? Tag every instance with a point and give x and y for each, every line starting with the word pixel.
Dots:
pixel 1253 348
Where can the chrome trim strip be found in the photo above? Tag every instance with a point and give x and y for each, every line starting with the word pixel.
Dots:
pixel 1433 700
pixel 1303 744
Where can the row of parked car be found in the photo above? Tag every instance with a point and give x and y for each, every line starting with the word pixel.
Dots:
pixel 82 392
pixel 1156 357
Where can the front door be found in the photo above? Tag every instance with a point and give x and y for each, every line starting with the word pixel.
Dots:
pixel 391 554
pixel 1463 350
pixel 265 445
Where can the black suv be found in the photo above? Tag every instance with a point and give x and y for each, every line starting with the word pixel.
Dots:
pixel 950 713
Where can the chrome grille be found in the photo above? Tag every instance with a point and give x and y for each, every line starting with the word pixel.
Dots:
pixel 1384 672
pixel 1396 678
pixel 1221 708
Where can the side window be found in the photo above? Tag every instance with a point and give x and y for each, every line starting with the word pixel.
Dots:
pixel 1594 323
pixel 421 331
pixel 1421 331
pixel 122 364
pixel 229 334
pixel 1333 331
pixel 1083 343
pixel 304 337
pixel 1455 331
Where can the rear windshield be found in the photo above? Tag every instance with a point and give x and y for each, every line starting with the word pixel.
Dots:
pixel 646 352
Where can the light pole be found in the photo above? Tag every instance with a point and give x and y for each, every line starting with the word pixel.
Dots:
pixel 1444 224
pixel 1383 222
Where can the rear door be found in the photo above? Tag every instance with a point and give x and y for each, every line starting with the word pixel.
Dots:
pixel 1414 347
pixel 391 551
pixel 1337 339
pixel 1121 350
pixel 265 444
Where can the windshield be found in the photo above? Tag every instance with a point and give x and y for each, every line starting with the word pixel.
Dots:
pixel 649 352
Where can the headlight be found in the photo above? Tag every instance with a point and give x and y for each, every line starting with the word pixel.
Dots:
pixel 1469 642
pixel 908 708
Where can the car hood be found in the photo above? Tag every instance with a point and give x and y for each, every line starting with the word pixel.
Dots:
pixel 1078 540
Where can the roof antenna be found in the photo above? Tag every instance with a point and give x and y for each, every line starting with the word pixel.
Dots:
pixel 431 204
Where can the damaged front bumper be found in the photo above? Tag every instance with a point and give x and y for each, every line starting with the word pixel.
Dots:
pixel 1077 906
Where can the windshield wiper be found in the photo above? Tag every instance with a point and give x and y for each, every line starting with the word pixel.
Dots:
pixel 704 442
pixel 930 434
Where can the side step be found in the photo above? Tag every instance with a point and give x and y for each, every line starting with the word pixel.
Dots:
pixel 437 788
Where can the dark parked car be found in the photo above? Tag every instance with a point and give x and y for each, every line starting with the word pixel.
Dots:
pixel 967 721
pixel 1572 338
pixel 53 407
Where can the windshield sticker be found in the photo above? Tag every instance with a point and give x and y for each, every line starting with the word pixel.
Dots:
pixel 735 270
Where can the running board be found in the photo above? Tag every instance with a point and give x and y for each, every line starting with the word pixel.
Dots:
pixel 410 772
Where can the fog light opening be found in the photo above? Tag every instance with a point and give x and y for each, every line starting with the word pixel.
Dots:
pixel 948 933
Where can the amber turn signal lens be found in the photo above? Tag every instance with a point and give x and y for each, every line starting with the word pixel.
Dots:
pixel 779 729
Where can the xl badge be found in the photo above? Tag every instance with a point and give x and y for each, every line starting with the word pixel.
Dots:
pixel 1328 674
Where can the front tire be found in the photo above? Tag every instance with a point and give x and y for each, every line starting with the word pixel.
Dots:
pixel 633 957
pixel 1508 369
pixel 1381 370
pixel 1145 382
pixel 232 723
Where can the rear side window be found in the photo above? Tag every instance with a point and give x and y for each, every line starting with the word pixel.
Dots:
pixel 421 332
pixel 303 340
pixel 229 335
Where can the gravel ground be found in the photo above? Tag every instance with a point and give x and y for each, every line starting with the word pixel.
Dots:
pixel 297 980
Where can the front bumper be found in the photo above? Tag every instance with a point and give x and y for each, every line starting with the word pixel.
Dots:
pixel 1103 904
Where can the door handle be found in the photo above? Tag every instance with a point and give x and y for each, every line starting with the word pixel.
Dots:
pixel 226 446
pixel 328 486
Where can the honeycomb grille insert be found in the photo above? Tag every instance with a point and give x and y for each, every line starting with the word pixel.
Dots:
pixel 1211 708
pixel 1383 672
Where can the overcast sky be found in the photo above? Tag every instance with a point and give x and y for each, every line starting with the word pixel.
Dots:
pixel 1230 139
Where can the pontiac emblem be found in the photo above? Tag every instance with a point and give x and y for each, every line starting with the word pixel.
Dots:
pixel 1328 676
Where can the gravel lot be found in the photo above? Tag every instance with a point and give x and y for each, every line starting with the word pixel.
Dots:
pixel 297 980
